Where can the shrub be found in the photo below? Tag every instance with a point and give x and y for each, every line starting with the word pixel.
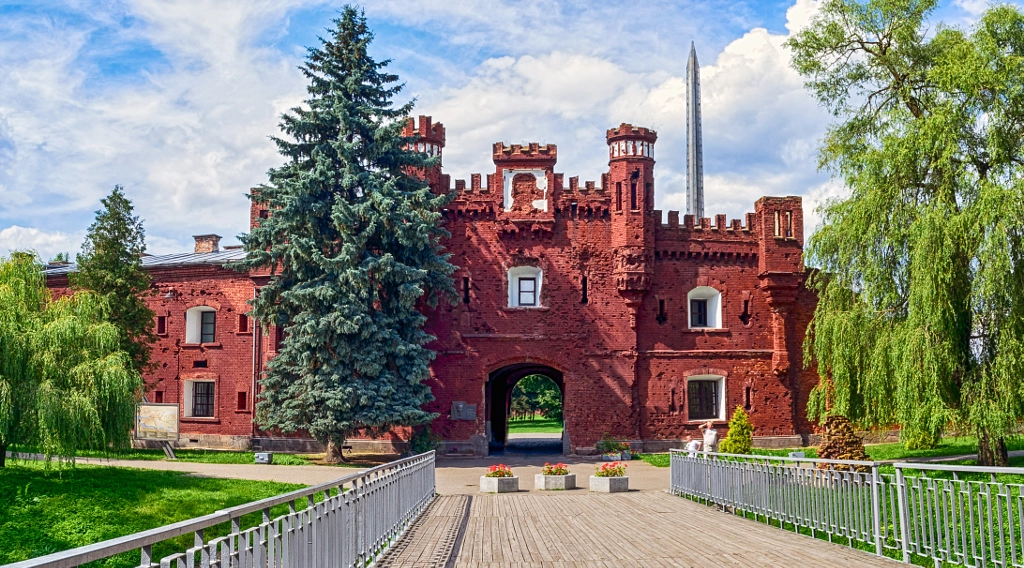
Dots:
pixel 607 444
pixel 423 440
pixel 500 470
pixel 741 434
pixel 556 469
pixel 611 469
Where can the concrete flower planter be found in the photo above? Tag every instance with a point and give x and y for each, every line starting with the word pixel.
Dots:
pixel 609 484
pixel 554 482
pixel 499 484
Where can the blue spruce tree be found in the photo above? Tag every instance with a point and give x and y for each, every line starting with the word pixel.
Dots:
pixel 353 245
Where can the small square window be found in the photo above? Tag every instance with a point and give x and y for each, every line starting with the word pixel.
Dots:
pixel 202 399
pixel 698 313
pixel 208 333
pixel 527 291
pixel 243 401
pixel 703 399
pixel 161 325
pixel 243 323
pixel 158 397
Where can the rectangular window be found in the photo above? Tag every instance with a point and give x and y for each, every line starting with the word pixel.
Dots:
pixel 703 399
pixel 465 289
pixel 584 299
pixel 243 401
pixel 789 224
pixel 208 330
pixel 527 291
pixel 243 323
pixel 662 315
pixel 618 196
pixel 202 399
pixel 573 209
pixel 278 337
pixel 161 325
pixel 158 397
pixel 698 313
pixel 200 364
pixel 632 194
pixel 778 225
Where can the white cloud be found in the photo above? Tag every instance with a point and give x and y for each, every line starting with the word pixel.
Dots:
pixel 761 128
pixel 46 245
pixel 188 137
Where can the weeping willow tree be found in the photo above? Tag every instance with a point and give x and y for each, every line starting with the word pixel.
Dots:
pixel 65 385
pixel 920 319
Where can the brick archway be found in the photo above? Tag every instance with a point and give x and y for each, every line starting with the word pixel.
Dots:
pixel 500 383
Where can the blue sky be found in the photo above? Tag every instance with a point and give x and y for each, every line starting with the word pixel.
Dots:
pixel 175 100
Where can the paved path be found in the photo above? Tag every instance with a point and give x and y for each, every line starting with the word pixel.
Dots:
pixel 462 476
pixel 302 474
pixel 583 529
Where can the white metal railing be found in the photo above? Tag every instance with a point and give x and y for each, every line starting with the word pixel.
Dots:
pixel 359 516
pixel 968 522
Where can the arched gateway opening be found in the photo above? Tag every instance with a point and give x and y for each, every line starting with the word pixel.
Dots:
pixel 500 386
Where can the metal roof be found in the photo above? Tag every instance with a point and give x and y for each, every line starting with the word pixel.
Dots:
pixel 179 259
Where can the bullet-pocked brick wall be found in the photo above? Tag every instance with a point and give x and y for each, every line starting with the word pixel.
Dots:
pixel 611 324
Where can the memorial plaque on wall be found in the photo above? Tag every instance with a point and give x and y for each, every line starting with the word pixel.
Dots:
pixel 463 411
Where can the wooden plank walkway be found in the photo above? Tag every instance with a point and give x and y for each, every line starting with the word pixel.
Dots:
pixel 582 529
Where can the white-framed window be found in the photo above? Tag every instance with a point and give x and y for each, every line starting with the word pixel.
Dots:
pixel 200 399
pixel 201 325
pixel 705 397
pixel 704 308
pixel 524 286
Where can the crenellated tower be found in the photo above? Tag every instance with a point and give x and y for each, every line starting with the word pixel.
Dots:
pixel 631 185
pixel 429 139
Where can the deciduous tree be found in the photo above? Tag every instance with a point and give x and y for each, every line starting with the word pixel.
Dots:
pixel 920 320
pixel 353 243
pixel 65 384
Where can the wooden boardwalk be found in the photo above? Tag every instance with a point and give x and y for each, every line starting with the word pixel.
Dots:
pixel 578 528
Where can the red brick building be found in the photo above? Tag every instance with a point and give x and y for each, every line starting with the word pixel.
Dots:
pixel 648 324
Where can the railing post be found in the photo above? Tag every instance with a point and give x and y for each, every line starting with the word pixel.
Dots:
pixel 876 510
pixel 903 507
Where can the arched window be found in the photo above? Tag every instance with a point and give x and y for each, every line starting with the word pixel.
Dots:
pixel 704 304
pixel 524 285
pixel 201 325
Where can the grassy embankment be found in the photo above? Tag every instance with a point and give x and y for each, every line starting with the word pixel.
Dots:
pixel 953 446
pixel 45 510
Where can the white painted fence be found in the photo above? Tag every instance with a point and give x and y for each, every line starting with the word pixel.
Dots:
pixel 976 523
pixel 343 523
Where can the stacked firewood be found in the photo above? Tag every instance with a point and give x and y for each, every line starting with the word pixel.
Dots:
pixel 840 442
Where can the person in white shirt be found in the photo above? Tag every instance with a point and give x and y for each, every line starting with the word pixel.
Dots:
pixel 692 447
pixel 710 437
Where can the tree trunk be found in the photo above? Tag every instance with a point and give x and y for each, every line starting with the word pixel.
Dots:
pixel 3 455
pixel 992 451
pixel 335 453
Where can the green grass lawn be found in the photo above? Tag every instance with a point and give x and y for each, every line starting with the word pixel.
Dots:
pixel 538 426
pixel 49 510
pixel 952 446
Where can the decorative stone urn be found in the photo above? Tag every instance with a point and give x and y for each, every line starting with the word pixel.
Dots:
pixel 609 484
pixel 543 482
pixel 499 484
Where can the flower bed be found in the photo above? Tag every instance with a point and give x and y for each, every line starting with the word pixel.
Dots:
pixel 610 478
pixel 499 479
pixel 554 477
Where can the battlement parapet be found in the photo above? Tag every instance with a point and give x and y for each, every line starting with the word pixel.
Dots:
pixel 425 129
pixel 703 228
pixel 628 141
pixel 626 130
pixel 532 152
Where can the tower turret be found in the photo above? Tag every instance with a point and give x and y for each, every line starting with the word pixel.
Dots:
pixel 631 177
pixel 429 140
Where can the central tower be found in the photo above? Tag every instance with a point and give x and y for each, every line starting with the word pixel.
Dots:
pixel 631 176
